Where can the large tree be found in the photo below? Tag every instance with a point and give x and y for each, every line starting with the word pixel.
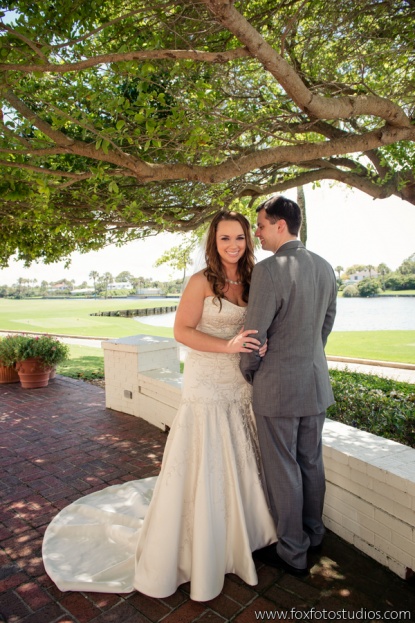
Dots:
pixel 123 118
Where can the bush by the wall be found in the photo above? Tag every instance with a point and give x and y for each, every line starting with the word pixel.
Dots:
pixel 375 404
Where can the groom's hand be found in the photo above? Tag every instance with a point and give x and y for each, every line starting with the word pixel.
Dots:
pixel 263 349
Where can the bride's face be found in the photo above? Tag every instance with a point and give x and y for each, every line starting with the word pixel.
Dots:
pixel 230 241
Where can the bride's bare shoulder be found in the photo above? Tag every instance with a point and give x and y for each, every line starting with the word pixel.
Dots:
pixel 199 283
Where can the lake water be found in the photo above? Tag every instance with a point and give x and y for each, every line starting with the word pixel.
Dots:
pixel 354 314
pixel 375 314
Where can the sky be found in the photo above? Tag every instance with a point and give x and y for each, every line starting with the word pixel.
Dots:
pixel 345 226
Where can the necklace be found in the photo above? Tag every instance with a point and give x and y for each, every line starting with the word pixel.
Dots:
pixel 234 283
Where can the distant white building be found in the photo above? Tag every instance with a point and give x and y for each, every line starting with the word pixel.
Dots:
pixel 59 287
pixel 359 275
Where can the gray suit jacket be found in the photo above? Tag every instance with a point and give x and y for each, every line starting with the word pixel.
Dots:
pixel 292 302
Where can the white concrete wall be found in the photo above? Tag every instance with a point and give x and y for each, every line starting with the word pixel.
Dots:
pixel 142 377
pixel 370 498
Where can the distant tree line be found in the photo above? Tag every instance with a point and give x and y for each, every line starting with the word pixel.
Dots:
pixel 381 278
pixel 100 286
pixel 386 279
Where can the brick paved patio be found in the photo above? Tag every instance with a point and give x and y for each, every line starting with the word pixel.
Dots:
pixel 59 443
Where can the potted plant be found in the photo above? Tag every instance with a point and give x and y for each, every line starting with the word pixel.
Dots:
pixel 36 357
pixel 8 372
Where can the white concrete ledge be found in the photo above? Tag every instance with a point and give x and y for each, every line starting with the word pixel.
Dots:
pixel 372 362
pixel 142 377
pixel 370 498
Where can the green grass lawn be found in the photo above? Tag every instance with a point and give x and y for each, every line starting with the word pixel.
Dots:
pixel 84 363
pixel 72 317
pixel 390 293
pixel 381 345
pixel 398 293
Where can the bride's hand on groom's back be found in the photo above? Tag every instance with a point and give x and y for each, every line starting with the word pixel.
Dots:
pixel 244 342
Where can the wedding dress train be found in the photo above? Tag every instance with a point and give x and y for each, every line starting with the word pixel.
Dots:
pixel 200 518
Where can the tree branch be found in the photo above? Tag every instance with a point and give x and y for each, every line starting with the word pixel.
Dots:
pixel 290 25
pixel 308 177
pixel 172 55
pixel 44 171
pixel 72 146
pixel 57 137
pixel 295 154
pixel 32 45
pixel 344 107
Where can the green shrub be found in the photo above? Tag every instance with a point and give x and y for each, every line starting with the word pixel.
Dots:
pixel 8 350
pixel 369 287
pixel 375 404
pixel 393 282
pixel 409 282
pixel 350 291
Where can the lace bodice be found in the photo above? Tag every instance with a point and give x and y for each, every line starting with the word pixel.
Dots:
pixel 223 323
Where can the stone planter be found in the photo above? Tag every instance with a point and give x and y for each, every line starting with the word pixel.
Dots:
pixel 8 374
pixel 33 373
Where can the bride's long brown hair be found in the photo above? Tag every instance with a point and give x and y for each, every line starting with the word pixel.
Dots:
pixel 214 271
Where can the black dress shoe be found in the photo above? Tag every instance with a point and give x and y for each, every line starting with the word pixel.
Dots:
pixel 268 555
pixel 314 549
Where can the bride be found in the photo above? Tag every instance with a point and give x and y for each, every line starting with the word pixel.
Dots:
pixel 206 511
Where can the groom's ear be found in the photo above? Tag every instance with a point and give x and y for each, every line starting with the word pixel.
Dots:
pixel 281 225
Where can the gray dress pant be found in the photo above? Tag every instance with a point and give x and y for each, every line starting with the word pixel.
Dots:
pixel 291 450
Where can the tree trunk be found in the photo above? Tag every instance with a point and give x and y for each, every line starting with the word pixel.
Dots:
pixel 301 203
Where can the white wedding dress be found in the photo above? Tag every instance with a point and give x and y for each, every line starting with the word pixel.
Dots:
pixel 200 518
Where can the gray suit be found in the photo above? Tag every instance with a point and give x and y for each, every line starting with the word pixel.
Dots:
pixel 292 302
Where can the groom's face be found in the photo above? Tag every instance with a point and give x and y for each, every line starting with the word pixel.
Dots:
pixel 267 232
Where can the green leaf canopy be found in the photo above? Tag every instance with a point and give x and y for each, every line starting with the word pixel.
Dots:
pixel 123 119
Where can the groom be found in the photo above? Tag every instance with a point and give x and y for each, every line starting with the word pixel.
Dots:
pixel 292 302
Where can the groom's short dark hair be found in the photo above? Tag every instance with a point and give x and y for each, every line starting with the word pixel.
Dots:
pixel 279 207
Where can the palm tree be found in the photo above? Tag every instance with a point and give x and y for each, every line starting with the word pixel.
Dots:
pixel 383 269
pixel 339 269
pixel 94 275
pixel 106 279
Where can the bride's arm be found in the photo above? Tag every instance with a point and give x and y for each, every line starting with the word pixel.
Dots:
pixel 188 315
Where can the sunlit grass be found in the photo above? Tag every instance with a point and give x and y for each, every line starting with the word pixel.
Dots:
pixel 398 293
pixel 396 346
pixel 84 363
pixel 73 317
